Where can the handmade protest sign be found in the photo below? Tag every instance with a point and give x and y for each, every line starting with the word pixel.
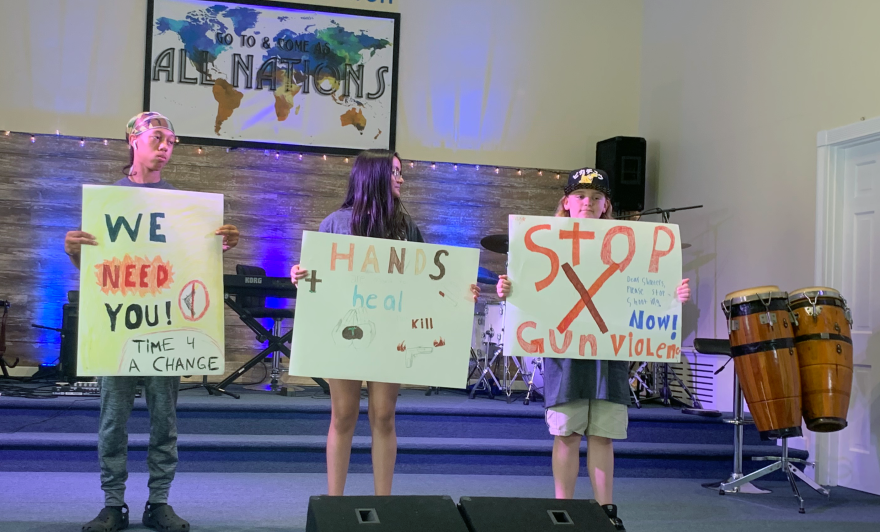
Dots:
pixel 593 289
pixel 151 291
pixel 384 310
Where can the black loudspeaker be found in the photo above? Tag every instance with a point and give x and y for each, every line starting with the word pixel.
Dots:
pixel 67 356
pixel 623 158
pixel 503 514
pixel 384 514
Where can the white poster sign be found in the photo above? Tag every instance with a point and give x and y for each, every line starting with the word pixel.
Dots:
pixel 151 291
pixel 600 289
pixel 384 310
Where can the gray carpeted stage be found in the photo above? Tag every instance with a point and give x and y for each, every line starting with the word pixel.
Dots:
pixel 251 464
pixel 263 502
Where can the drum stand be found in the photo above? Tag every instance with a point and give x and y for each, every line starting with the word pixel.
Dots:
pixel 508 380
pixel 739 483
pixel 785 463
pixel 638 382
pixel 736 483
pixel 537 365
pixel 486 367
pixel 522 373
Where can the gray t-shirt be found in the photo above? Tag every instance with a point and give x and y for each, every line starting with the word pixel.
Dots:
pixel 126 182
pixel 567 379
pixel 339 222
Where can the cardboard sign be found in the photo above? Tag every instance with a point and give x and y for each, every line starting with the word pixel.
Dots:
pixel 384 310
pixel 593 289
pixel 151 291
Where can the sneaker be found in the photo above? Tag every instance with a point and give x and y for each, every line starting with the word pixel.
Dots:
pixel 109 520
pixel 611 512
pixel 162 517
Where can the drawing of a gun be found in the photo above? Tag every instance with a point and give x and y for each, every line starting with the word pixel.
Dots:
pixel 411 353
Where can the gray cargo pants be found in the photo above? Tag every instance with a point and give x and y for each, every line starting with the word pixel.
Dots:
pixel 117 400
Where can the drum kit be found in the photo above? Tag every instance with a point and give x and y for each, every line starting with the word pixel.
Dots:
pixel 793 363
pixel 488 345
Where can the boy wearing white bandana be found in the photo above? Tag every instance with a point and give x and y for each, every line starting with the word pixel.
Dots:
pixel 151 140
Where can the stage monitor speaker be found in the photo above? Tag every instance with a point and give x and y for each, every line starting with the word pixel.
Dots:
pixel 507 514
pixel 623 158
pixel 383 514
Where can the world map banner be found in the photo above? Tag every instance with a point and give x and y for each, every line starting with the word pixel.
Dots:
pixel 255 74
pixel 151 291
pixel 594 289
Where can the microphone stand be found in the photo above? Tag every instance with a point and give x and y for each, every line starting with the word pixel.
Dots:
pixel 657 210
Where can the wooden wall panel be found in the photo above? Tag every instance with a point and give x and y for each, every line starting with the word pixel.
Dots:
pixel 271 201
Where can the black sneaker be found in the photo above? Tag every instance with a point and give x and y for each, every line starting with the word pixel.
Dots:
pixel 611 512
pixel 162 517
pixel 109 519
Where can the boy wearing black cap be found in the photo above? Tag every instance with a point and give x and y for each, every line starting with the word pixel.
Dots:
pixel 586 397
pixel 151 141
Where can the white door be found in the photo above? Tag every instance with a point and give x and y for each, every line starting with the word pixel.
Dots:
pixel 858 447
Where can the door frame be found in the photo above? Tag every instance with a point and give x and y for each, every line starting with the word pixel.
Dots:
pixel 830 173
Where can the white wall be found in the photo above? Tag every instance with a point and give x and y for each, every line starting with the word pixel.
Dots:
pixel 732 97
pixel 69 65
pixel 506 82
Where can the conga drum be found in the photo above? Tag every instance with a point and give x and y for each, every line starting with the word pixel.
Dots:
pixel 824 346
pixel 765 358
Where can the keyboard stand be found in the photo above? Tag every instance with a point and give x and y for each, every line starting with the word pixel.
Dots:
pixel 276 344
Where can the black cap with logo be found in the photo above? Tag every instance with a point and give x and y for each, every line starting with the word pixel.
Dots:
pixel 589 178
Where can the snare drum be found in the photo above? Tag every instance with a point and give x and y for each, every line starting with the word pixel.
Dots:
pixel 824 345
pixel 766 361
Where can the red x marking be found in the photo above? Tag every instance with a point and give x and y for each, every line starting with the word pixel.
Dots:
pixel 586 300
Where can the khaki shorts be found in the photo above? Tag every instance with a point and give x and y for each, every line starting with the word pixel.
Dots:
pixel 590 417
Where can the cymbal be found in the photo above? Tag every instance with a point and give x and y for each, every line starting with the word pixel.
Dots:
pixel 496 243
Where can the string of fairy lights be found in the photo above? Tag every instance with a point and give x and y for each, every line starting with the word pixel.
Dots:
pixel 278 155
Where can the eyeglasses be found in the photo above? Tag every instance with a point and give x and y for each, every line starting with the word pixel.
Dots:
pixel 395 173
pixel 158 138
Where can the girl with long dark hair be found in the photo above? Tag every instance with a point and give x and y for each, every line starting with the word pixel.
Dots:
pixel 371 208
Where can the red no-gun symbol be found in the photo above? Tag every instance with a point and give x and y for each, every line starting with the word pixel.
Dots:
pixel 194 300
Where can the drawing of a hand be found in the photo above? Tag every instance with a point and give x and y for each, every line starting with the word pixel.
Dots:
pixel 354 330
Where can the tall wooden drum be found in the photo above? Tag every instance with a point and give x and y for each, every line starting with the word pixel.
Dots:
pixel 824 345
pixel 766 361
